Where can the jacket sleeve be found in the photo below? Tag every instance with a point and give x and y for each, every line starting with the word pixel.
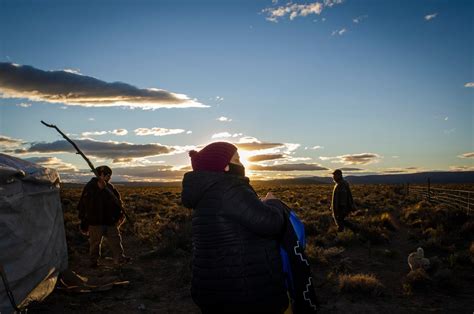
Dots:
pixel 342 198
pixel 244 206
pixel 82 205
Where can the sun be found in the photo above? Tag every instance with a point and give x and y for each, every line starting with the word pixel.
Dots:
pixel 243 156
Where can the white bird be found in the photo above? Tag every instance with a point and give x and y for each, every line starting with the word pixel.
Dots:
pixel 417 260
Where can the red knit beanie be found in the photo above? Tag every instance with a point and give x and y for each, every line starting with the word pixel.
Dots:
pixel 214 157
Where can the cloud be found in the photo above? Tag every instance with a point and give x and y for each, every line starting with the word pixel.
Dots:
pixel 461 168
pixel 430 16
pixel 24 105
pixel 265 157
pixel 252 146
pixel 118 132
pixel 288 167
pixel 394 171
pixel 53 162
pixel 86 134
pixel 73 71
pixel 339 32
pixel 150 173
pixel 355 159
pixel 6 141
pixel 157 131
pixel 469 84
pixel 224 119
pixel 79 90
pixel 314 147
pixel 117 151
pixel 294 10
pixel 467 155
pixel 449 131
pixel 359 18
pixel 350 169
pixel 225 135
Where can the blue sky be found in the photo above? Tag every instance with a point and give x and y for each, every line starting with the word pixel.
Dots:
pixel 366 86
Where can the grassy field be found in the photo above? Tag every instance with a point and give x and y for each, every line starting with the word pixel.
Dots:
pixel 364 270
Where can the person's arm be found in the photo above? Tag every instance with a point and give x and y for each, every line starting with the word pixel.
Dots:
pixel 242 204
pixel 82 209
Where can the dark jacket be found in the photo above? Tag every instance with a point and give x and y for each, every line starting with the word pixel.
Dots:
pixel 236 261
pixel 342 203
pixel 97 207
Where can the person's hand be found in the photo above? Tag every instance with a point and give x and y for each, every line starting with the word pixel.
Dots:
pixel 84 228
pixel 269 196
pixel 121 220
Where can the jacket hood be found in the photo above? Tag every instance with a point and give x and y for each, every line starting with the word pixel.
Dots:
pixel 196 183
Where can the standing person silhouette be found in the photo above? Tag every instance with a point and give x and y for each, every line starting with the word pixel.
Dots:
pixel 101 217
pixel 342 203
pixel 236 265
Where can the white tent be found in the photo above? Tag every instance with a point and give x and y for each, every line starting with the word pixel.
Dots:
pixel 32 239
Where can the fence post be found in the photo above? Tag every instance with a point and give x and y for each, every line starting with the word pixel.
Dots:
pixel 429 190
pixel 468 203
pixel 408 189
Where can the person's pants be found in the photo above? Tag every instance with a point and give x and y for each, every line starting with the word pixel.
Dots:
pixel 339 220
pixel 114 240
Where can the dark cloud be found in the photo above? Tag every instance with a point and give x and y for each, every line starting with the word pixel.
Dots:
pixel 52 162
pixel 9 142
pixel 351 169
pixel 75 89
pixel 265 157
pixel 360 159
pixel 394 171
pixel 111 150
pixel 355 159
pixel 149 173
pixel 288 167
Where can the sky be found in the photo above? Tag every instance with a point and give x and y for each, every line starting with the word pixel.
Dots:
pixel 302 88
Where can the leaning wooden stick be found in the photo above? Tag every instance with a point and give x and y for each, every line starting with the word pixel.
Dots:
pixel 114 197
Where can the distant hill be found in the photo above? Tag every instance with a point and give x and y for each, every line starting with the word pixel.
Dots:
pixel 414 178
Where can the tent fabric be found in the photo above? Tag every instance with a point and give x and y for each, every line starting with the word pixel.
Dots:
pixel 33 246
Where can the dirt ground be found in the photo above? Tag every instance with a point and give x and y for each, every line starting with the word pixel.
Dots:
pixel 159 274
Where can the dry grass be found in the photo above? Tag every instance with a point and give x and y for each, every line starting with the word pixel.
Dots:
pixel 163 228
pixel 417 280
pixel 362 284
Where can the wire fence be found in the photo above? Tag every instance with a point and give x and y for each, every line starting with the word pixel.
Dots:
pixel 457 199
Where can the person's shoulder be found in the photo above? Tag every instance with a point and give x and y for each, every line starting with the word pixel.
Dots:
pixel 92 182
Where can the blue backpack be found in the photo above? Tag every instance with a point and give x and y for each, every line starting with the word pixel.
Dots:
pixel 299 280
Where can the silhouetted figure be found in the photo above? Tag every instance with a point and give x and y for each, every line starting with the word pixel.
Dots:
pixel 342 203
pixel 101 216
pixel 236 265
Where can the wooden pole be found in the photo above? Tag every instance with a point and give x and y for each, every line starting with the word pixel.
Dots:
pixel 429 190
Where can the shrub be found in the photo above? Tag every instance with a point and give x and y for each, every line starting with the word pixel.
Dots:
pixel 388 222
pixel 362 284
pixel 346 237
pixel 418 279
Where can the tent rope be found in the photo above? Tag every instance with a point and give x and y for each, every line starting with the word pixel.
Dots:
pixel 8 290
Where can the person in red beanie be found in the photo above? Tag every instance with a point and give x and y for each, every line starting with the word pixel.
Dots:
pixel 236 265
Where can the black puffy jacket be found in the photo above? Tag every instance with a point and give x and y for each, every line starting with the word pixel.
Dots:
pixel 236 260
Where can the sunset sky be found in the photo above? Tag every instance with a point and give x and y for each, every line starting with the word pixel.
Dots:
pixel 301 87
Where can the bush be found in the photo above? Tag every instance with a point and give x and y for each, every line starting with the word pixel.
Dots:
pixel 417 279
pixel 362 284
